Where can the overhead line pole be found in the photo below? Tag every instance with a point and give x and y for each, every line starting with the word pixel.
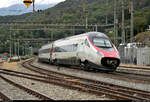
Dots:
pixel 33 1
pixel 132 22
pixel 18 49
pixel 85 14
pixel 10 46
pixel 123 25
pixel 106 22
pixel 115 23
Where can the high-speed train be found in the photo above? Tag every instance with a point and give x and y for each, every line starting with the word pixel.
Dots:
pixel 92 50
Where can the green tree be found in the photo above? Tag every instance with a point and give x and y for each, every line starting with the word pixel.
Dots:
pixel 140 24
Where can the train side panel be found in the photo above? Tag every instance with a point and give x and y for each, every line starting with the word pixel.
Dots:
pixel 66 51
pixel 44 53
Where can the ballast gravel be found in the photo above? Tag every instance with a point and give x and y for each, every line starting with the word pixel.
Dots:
pixel 55 92
pixel 134 70
pixel 95 76
pixel 13 92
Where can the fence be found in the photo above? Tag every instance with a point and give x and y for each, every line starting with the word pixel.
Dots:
pixel 138 55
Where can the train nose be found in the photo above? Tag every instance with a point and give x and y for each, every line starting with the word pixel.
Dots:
pixel 110 62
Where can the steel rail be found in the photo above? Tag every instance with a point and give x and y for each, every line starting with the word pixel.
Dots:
pixel 131 92
pixel 29 91
pixel 4 97
pixel 138 77
pixel 92 86
pixel 142 75
pixel 68 84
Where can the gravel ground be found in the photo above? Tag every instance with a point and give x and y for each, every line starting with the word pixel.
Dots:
pixel 55 92
pixel 13 92
pixel 96 76
pixel 134 70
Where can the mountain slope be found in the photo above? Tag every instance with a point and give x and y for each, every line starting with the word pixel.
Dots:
pixel 19 9
pixel 71 12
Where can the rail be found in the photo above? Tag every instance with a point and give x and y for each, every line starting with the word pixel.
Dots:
pixel 94 85
pixel 30 91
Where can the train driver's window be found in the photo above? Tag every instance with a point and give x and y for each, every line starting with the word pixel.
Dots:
pixel 87 43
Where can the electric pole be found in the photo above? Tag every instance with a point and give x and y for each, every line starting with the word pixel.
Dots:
pixel 51 35
pixel 18 48
pixel 132 22
pixel 115 23
pixel 33 1
pixel 96 28
pixel 14 45
pixel 106 13
pixel 15 49
pixel 10 45
pixel 123 25
pixel 85 14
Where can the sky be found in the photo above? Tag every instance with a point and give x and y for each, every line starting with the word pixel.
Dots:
pixel 6 3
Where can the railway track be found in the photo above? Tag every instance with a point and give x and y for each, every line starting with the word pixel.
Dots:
pixel 92 86
pixel 123 74
pixel 128 75
pixel 27 90
pixel 3 97
pixel 56 81
pixel 136 67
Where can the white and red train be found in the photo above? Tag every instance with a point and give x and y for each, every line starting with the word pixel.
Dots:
pixel 92 50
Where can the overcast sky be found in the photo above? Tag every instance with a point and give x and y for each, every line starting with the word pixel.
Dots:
pixel 6 3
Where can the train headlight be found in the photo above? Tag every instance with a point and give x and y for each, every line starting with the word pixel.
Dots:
pixel 100 54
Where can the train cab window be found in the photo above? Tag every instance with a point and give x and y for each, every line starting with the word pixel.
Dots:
pixel 87 43
pixel 102 42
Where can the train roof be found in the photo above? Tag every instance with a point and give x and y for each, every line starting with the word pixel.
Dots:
pixel 97 34
pixel 89 34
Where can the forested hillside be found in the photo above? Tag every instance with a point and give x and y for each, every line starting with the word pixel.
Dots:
pixel 71 12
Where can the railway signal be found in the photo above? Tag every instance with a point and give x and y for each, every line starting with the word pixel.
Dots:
pixel 27 2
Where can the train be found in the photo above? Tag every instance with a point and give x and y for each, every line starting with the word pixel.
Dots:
pixel 91 50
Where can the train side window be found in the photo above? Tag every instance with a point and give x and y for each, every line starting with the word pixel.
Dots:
pixel 87 43
pixel 75 46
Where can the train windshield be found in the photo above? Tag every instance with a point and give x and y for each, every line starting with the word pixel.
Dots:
pixel 102 42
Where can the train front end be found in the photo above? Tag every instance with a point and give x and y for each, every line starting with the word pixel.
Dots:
pixel 107 55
